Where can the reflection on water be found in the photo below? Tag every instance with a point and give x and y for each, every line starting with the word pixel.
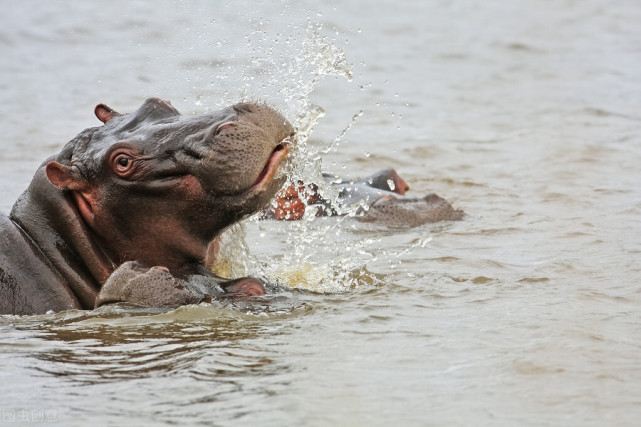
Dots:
pixel 104 346
pixel 184 361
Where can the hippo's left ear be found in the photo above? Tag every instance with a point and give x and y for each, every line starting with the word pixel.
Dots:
pixel 105 113
pixel 64 177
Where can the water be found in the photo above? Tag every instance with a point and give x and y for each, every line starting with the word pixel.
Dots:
pixel 525 114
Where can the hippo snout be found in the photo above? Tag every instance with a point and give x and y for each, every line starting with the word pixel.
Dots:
pixel 264 117
pixel 246 151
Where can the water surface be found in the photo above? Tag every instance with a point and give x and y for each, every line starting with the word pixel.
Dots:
pixel 525 114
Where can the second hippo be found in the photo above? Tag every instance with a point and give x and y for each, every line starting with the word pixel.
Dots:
pixel 379 197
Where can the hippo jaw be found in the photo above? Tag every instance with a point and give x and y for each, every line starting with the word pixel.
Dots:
pixel 156 187
pixel 270 179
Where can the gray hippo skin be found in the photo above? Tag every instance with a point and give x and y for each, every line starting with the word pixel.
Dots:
pixel 151 186
pixel 134 283
pixel 383 200
pixel 379 198
pixel 410 211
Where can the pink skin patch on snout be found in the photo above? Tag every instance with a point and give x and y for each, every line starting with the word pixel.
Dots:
pixel 268 172
pixel 246 287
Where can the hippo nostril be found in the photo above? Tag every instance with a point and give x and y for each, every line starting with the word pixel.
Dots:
pixel 224 126
pixel 244 107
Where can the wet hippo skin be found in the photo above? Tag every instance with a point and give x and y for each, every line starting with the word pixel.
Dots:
pixel 380 197
pixel 154 187
pixel 134 283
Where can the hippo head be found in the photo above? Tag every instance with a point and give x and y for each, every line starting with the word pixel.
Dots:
pixel 156 187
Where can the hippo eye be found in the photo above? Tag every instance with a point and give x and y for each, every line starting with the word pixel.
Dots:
pixel 125 160
pixel 122 163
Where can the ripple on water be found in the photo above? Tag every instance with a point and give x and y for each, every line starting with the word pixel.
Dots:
pixel 118 343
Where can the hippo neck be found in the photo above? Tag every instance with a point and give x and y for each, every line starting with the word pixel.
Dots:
pixel 51 219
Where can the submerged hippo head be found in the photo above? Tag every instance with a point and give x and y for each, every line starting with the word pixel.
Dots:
pixel 156 187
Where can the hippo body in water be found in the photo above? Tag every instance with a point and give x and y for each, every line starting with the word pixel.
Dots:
pixel 379 197
pixel 153 187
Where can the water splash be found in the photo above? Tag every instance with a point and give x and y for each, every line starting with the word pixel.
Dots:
pixel 321 253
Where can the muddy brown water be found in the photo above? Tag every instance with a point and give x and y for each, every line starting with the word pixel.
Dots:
pixel 525 114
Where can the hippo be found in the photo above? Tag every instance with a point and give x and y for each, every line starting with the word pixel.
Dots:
pixel 152 187
pixel 380 197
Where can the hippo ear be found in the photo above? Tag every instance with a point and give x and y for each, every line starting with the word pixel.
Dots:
pixel 105 113
pixel 64 177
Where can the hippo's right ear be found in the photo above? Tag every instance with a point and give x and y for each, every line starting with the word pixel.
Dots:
pixel 105 113
pixel 64 177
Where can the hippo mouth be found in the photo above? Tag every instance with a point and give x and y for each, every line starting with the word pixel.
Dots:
pixel 271 166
